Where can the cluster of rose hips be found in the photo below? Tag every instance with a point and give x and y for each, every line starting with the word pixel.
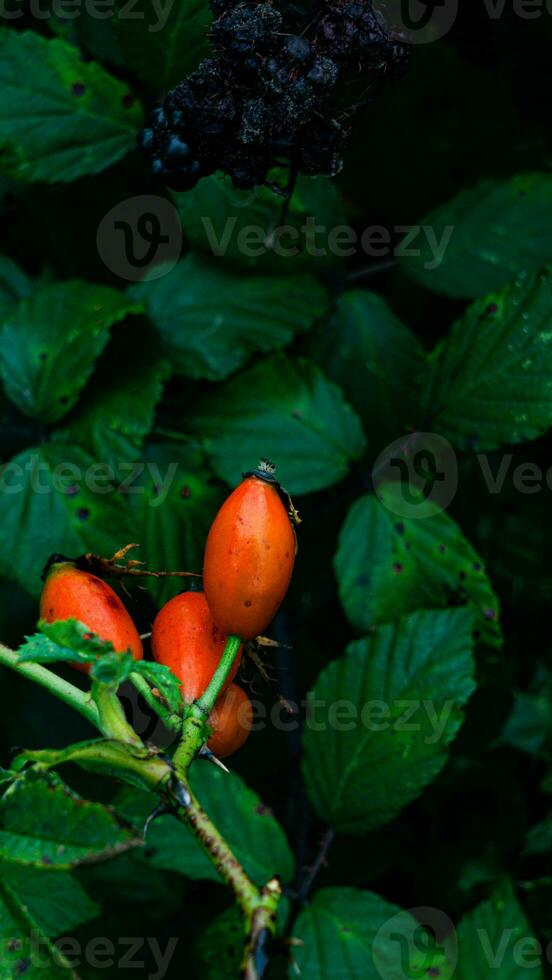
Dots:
pixel 263 99
pixel 249 558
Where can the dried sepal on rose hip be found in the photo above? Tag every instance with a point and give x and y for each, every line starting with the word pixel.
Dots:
pixel 70 593
pixel 186 639
pixel 249 555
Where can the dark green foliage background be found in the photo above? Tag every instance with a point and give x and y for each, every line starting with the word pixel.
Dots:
pixel 318 364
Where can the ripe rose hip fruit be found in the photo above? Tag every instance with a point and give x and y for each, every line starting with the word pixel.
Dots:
pixel 231 720
pixel 70 593
pixel 186 639
pixel 249 556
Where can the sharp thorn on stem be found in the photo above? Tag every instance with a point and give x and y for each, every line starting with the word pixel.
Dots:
pixel 205 753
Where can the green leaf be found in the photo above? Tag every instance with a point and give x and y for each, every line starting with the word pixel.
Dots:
pixel 254 835
pixel 161 678
pixel 356 935
pixel 388 565
pixel 56 499
pixel 117 411
pixel 173 513
pixel 528 727
pixel 496 939
pixel 287 410
pixel 219 948
pixel 164 43
pixel 383 716
pixel 35 905
pixel 490 379
pixel 59 117
pixel 6 776
pixel 49 343
pixel 211 320
pixel 238 225
pixel 497 230
pixel 54 899
pixel 14 285
pixel 65 640
pixel 538 840
pixel 44 824
pixel 377 361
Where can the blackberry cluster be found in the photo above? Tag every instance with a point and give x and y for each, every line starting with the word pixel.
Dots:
pixel 262 100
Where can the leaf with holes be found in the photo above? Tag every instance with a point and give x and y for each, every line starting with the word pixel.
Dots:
pixel 388 565
pixel 50 342
pixel 356 935
pixel 60 118
pixel 490 379
pixel 485 236
pixel 44 824
pixel 56 498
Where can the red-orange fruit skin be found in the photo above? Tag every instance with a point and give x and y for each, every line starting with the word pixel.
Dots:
pixel 186 639
pixel 70 593
pixel 249 558
pixel 231 720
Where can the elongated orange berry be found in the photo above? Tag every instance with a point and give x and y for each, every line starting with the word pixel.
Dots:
pixel 231 720
pixel 186 639
pixel 70 593
pixel 249 557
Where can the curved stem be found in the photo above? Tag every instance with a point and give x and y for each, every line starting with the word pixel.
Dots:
pixel 207 700
pixel 113 722
pixel 172 721
pixel 66 692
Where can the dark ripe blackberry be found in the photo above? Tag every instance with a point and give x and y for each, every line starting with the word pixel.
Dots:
pixel 157 118
pixel 298 48
pixel 262 98
pixel 175 151
pixel 244 29
pixel 158 168
pixel 323 73
pixel 253 121
pixel 145 139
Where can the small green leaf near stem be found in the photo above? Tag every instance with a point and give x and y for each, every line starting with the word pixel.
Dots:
pixel 172 721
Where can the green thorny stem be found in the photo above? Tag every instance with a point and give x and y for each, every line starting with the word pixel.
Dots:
pixel 121 753
pixel 195 728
